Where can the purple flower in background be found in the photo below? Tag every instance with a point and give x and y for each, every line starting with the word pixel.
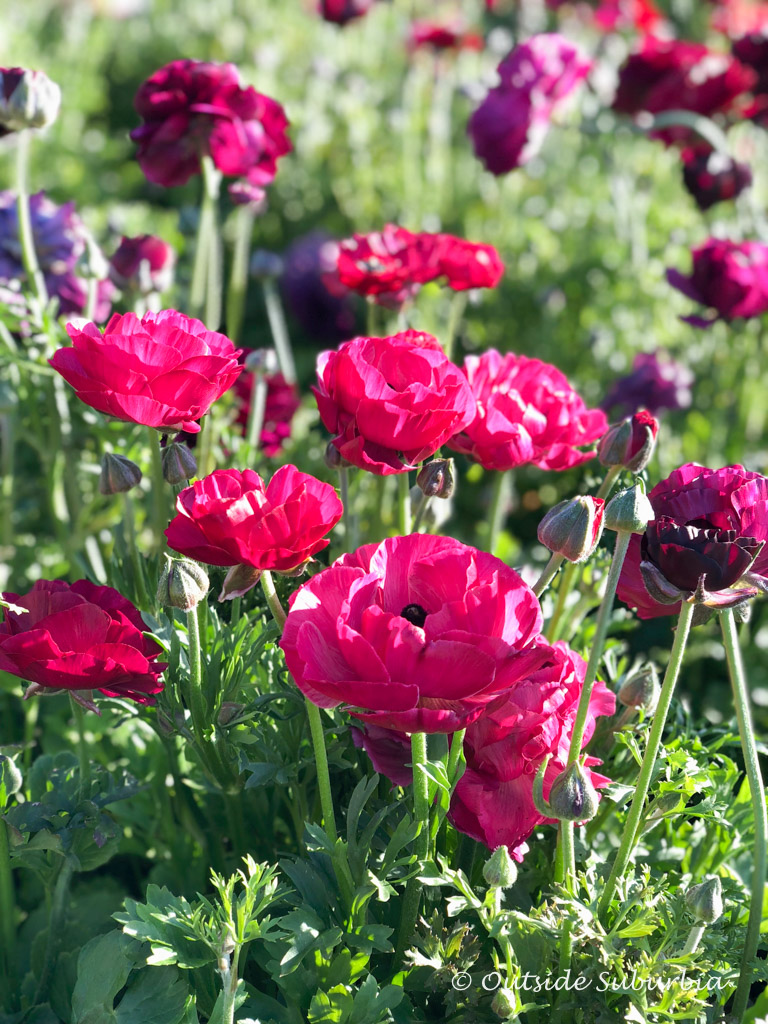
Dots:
pixel 62 243
pixel 656 382
pixel 325 317
pixel 728 277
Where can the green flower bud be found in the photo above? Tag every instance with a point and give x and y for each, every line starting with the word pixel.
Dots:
pixel 118 474
pixel 629 511
pixel 500 870
pixel 629 443
pixel 183 584
pixel 573 528
pixel 179 464
pixel 573 797
pixel 705 901
pixel 505 1004
pixel 435 479
pixel 641 689
pixel 28 99
pixel 10 777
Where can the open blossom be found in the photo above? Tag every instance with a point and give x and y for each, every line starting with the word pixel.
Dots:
pixel 79 636
pixel 709 523
pixel 655 382
pixel 615 15
pixel 417 633
pixel 342 11
pixel 526 412
pixel 728 277
pixel 193 108
pixel 504 748
pixel 142 264
pixel 391 402
pixel 165 370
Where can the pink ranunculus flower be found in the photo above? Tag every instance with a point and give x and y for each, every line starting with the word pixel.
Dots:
pixel 416 634
pixel 729 277
pixel 80 636
pixel 391 402
pixel 527 412
pixel 165 370
pixel 505 746
pixel 194 108
pixel 694 508
pixel 231 518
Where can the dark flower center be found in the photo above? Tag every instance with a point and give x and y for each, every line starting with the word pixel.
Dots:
pixel 415 614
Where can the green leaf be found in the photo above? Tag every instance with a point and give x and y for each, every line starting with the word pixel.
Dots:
pixel 158 996
pixel 102 970
pixel 331 1007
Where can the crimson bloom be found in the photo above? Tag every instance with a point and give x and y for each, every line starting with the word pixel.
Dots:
pixel 391 402
pixel 165 370
pixel 752 50
pixel 194 108
pixel 526 412
pixel 729 277
pixel 142 264
pixel 417 633
pixel 713 177
pixel 79 637
pixel 231 518
pixel 342 11
pixel 708 523
pixel 446 35
pixel 465 265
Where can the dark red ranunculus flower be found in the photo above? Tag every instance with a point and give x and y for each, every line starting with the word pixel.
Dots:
pixel 282 402
pixel 416 634
pixel 656 382
pixel 729 277
pixel 391 402
pixel 165 370
pixel 505 746
pixel 713 177
pixel 445 35
pixel 709 522
pixel 142 264
pixel 526 412
pixel 389 751
pixel 752 50
pixel 194 108
pixel 342 11
pixel 80 637
pixel 387 266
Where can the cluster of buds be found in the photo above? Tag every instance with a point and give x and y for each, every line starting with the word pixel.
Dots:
pixel 28 99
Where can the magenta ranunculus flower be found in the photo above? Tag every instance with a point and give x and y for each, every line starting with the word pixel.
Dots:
pixel 165 370
pixel 391 402
pixel 194 108
pixel 143 264
pixel 231 518
pixel 729 277
pixel 80 637
pixel 526 412
pixel 416 634
pixel 504 748
pixel 708 522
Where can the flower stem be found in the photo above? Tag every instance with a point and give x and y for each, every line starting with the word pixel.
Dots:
pixel 457 747
pixel 548 573
pixel 55 927
pixel 458 305
pixel 649 760
pixel 692 944
pixel 7 912
pixel 238 275
pixel 26 238
pixel 348 518
pixel 268 586
pixel 195 696
pixel 321 763
pixel 502 492
pixel 608 481
pixel 412 897
pixel 256 413
pixel 84 788
pixel 279 331
pixel 7 423
pixel 757 793
pixel 566 586
pixel 404 503
pixel 159 497
pixel 205 290
pixel 421 508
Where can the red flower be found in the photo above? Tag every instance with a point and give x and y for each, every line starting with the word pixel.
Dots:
pixel 193 108
pixel 642 15
pixel 80 637
pixel 419 633
pixel 707 522
pixel 752 50
pixel 467 264
pixel 729 277
pixel 442 36
pixel 231 518
pixel 142 264
pixel 526 412
pixel 386 265
pixel 342 11
pixel 504 748
pixel 391 402
pixel 165 370
pixel 282 402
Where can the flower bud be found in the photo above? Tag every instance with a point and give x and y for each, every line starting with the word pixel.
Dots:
pixel 630 443
pixel 705 901
pixel 183 584
pixel 10 776
pixel 262 360
pixel 265 264
pixel 28 99
pixel 435 479
pixel 243 193
pixel 229 711
pixel 118 474
pixel 629 511
pixel 640 689
pixel 143 265
pixel 573 797
pixel 505 1003
pixel 179 464
pixel 500 870
pixel 573 528
pixel 333 457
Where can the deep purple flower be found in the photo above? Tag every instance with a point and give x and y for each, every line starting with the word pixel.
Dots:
pixel 729 277
pixel 713 177
pixel 325 316
pixel 656 382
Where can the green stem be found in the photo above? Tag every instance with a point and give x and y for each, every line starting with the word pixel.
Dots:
pixel 458 305
pixel 502 493
pixel 412 897
pixel 7 912
pixel 321 763
pixel 404 503
pixel 566 586
pixel 757 793
pixel 421 508
pixel 205 292
pixel 256 412
pixel 608 481
pixel 348 518
pixel 649 760
pixel 692 944
pixel 6 478
pixel 279 330
pixel 137 565
pixel 457 747
pixel 159 495
pixel 26 237
pixel 205 458
pixel 268 586
pixel 82 750
pixel 195 697
pixel 548 573
pixel 236 609
pixel 238 275
pixel 55 927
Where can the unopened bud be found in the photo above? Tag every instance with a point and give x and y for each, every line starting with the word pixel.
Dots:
pixel 705 901
pixel 262 360
pixel 179 464
pixel 630 443
pixel 229 711
pixel 183 584
pixel 629 511
pixel 28 99
pixel 500 870
pixel 265 264
pixel 505 1003
pixel 573 528
pixel 333 458
pixel 573 797
pixel 118 474
pixel 142 264
pixel 435 479
pixel 640 689
pixel 10 776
